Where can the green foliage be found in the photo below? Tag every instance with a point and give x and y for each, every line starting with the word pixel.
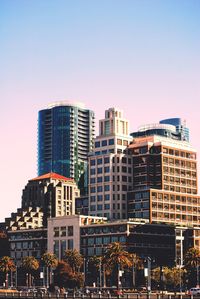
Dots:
pixel 7 264
pixel 30 264
pixel 74 259
pixel 49 260
pixel 66 277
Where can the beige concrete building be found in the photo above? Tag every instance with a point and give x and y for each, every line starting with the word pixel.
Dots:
pixel 64 232
pixel 110 167
pixel 54 193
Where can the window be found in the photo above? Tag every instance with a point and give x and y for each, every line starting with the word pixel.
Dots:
pixel 63 231
pixel 97 144
pixel 99 188
pixel 106 160
pixel 70 231
pixel 93 198
pixel 99 170
pixel 111 141
pixel 92 181
pixel 99 207
pixel 124 169
pixel 92 189
pixel 119 141
pixel 107 197
pixel 104 142
pixel 92 162
pixel 56 231
pixel 107 188
pixel 92 208
pixel 99 197
pixel 56 248
pixel 63 248
pixel 99 179
pixel 99 161
pixel 70 244
pixel 107 207
pixel 106 169
pixel 92 171
pixel 124 159
pixel 106 178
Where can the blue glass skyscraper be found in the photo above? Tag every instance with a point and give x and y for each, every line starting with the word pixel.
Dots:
pixel 180 127
pixel 65 137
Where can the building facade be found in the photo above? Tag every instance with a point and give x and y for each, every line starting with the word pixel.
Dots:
pixel 64 232
pixel 164 181
pixel 53 193
pixel 110 167
pixel 180 127
pixel 65 137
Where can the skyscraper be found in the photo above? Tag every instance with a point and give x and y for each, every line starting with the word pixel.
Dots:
pixel 110 167
pixel 65 136
pixel 180 126
pixel 164 179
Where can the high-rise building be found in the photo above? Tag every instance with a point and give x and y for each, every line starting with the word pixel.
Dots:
pixel 54 193
pixel 180 127
pixel 110 167
pixel 164 180
pixel 65 137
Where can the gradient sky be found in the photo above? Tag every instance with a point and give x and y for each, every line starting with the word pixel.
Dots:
pixel 141 56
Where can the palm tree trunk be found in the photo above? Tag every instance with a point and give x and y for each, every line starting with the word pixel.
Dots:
pixel 29 280
pixel 6 282
pixel 118 277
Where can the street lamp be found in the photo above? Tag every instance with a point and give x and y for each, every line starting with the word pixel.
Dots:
pixel 197 274
pixel 147 273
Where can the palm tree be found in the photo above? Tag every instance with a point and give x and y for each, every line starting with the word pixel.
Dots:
pixel 136 264
pixel 30 264
pixel 74 259
pixel 50 261
pixel 6 265
pixel 192 261
pixel 117 258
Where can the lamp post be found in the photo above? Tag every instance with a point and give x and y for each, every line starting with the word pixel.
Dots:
pixel 149 274
pixel 197 274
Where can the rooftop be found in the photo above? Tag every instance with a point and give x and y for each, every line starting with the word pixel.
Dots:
pixel 51 175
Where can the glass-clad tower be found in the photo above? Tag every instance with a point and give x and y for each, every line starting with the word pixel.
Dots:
pixel 180 127
pixel 65 136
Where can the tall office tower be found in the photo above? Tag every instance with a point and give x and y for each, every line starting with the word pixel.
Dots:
pixel 180 127
pixel 110 167
pixel 164 178
pixel 65 137
pixel 51 192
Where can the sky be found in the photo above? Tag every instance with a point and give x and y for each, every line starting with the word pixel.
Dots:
pixel 142 56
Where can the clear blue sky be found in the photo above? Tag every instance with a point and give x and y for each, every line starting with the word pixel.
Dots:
pixel 141 56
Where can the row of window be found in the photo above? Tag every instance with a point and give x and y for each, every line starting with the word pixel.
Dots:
pixel 103 229
pixel 104 142
pixel 99 207
pixel 100 179
pixel 99 170
pixel 63 231
pixel 172 217
pixel 102 240
pixel 100 197
pixel 107 188
pixel 179 153
pixel 179 163
pixel 178 189
pixel 105 197
pixel 174 207
pixel 177 198
pixel 59 247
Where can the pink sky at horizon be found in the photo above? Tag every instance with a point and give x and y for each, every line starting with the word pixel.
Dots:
pixel 140 56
